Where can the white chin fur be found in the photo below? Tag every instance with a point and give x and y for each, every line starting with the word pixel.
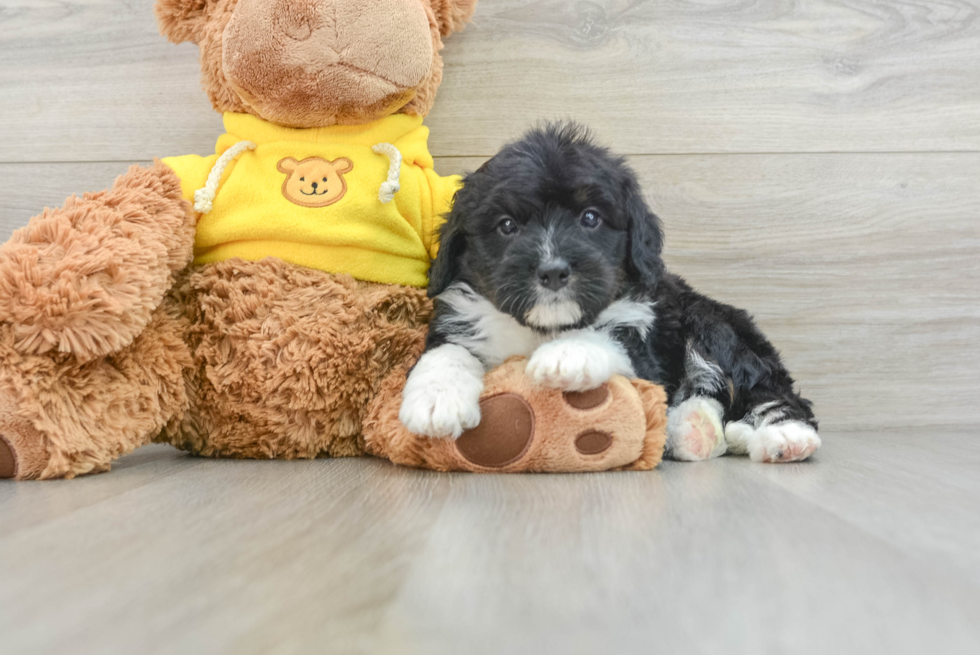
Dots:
pixel 553 315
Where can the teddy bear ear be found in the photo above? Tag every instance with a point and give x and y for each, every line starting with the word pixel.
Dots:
pixel 287 165
pixel 342 165
pixel 181 20
pixel 452 14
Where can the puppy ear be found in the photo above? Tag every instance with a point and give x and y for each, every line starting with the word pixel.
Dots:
pixel 646 238
pixel 181 20
pixel 452 15
pixel 452 243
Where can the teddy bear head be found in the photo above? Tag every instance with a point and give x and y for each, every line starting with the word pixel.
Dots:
pixel 315 63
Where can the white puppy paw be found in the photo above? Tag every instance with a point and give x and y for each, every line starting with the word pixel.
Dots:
pixel 577 363
pixel 694 431
pixel 442 394
pixel 790 441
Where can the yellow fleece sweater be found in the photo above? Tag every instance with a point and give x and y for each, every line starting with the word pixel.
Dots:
pixel 317 197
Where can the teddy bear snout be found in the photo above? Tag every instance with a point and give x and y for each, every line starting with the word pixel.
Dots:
pixel 319 62
pixel 297 26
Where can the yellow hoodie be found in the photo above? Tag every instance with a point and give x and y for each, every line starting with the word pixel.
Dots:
pixel 362 199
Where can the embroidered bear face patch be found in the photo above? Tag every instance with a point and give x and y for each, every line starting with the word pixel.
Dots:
pixel 315 182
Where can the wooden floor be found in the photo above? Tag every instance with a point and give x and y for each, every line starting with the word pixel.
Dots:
pixel 873 547
pixel 816 162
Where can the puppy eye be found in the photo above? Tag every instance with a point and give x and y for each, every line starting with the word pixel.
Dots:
pixel 324 179
pixel 302 179
pixel 508 227
pixel 591 219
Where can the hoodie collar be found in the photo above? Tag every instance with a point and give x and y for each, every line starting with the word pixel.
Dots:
pixel 390 129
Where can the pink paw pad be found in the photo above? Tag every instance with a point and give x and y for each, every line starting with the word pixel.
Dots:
pixel 701 437
pixel 695 431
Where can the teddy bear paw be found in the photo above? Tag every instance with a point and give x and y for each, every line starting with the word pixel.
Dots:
pixel 23 454
pixel 507 431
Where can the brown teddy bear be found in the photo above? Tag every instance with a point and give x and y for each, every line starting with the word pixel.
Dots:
pixel 266 301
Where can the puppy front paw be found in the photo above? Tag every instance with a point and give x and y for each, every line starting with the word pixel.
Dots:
pixel 570 365
pixel 440 413
pixel 442 395
pixel 790 441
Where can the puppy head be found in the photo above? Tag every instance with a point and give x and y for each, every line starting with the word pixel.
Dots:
pixel 551 230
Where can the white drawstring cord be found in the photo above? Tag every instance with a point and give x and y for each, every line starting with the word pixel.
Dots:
pixel 204 198
pixel 391 186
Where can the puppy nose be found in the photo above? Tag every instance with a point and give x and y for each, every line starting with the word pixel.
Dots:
pixel 554 276
pixel 315 186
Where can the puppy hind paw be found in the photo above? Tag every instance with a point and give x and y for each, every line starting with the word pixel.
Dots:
pixel 694 430
pixel 790 441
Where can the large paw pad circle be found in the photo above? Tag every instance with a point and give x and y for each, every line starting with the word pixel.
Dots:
pixel 529 427
pixel 505 432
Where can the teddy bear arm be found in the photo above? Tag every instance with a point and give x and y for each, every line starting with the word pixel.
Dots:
pixel 85 278
pixel 453 15
pixel 526 427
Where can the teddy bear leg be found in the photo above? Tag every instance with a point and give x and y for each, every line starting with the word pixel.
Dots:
pixel 60 418
pixel 88 351
pixel 527 427
pixel 287 359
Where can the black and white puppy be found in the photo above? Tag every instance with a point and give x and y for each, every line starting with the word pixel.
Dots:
pixel 551 252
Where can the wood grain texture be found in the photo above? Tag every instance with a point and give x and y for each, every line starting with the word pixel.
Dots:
pixel 815 162
pixel 91 80
pixel 863 269
pixel 358 556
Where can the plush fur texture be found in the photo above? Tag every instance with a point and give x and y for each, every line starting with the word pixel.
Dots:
pixel 85 415
pixel 108 340
pixel 84 279
pixel 552 235
pixel 630 416
pixel 314 63
pixel 287 359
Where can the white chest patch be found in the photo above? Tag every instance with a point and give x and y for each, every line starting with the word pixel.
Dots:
pixel 487 332
pixel 494 336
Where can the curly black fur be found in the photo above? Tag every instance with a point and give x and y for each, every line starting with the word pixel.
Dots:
pixel 545 184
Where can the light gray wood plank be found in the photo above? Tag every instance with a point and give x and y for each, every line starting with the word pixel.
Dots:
pixel 924 503
pixel 863 269
pixel 90 80
pixel 224 556
pixel 693 559
pixel 356 556
pixel 669 77
pixel 30 504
